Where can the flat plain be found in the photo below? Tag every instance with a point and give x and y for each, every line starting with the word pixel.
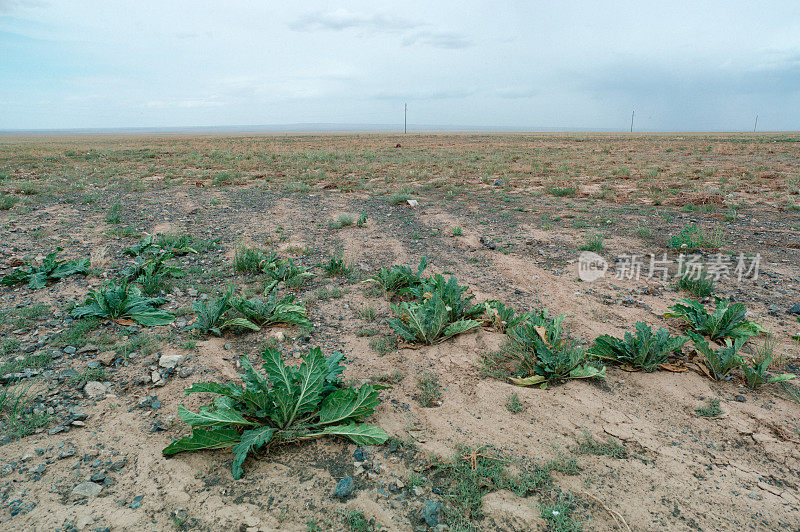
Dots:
pixel 94 401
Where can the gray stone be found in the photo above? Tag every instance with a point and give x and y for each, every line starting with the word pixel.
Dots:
pixel 430 513
pixel 794 309
pixel 70 350
pixel 95 390
pixel 87 489
pixel 344 488
pixel 169 361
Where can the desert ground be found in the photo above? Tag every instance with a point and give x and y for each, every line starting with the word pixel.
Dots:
pixel 88 404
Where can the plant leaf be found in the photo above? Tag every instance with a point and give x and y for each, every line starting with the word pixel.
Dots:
pixel 212 418
pixel 360 434
pixel 203 439
pixel 349 404
pixel 251 440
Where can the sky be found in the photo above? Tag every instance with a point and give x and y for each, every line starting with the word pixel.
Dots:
pixel 681 65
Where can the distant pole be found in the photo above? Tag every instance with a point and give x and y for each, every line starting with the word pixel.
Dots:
pixel 632 113
pixel 405 119
pixel 755 125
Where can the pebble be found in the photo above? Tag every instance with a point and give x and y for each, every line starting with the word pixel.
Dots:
pixel 344 488
pixel 430 513
pixel 169 361
pixel 87 489
pixel 794 309
pixel 95 390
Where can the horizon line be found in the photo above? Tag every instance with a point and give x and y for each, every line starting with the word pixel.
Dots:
pixel 334 127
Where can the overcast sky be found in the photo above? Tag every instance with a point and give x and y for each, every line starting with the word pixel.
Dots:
pixel 696 65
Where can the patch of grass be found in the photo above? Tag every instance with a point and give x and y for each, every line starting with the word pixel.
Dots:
pixel 78 334
pixel 336 265
pixel 710 409
pixel 558 514
pixel 692 238
pixel 366 331
pixel 594 243
pixel 7 201
pixel 395 377
pixel 362 220
pixel 457 231
pixel 471 474
pixel 611 447
pixel 430 391
pixel 8 346
pixel 249 260
pixel 91 374
pixel 125 231
pixel 383 344
pixel 644 232
pixel 325 292
pixel 697 285
pixel 400 197
pixel 513 404
pixel 32 361
pixel 343 220
pixel 367 313
pixel 18 417
pixel 114 214
pixel 562 192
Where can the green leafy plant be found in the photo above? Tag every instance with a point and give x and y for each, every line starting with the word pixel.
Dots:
pixel 283 271
pixel 727 321
pixel 755 373
pixel 50 269
pixel 153 273
pixel 121 301
pixel 452 295
pixel 429 321
pixel 722 361
pixel 270 311
pixel 211 315
pixel 399 279
pixel 336 266
pixel 547 354
pixel 281 405
pixel 644 351
pixel 503 317
pixel 160 243
pixel 362 220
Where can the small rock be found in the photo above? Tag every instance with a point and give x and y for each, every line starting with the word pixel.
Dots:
pixel 412 202
pixel 498 183
pixel 98 477
pixel 794 309
pixel 344 488
pixel 358 455
pixel 740 399
pixel 107 358
pixel 136 502
pixel 418 491
pixel 56 429
pixel 70 350
pixel 95 390
pixel 83 521
pixel 192 292
pixel 430 513
pixel 88 348
pixel 169 361
pixel 87 489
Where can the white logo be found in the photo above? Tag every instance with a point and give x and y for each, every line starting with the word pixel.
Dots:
pixel 591 266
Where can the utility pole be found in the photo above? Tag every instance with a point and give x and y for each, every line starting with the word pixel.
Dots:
pixel 632 113
pixel 756 124
pixel 405 118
